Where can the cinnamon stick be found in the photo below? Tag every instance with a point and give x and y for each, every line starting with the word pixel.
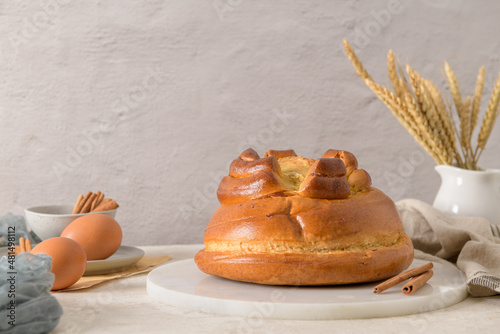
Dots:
pixel 104 202
pixel 94 202
pixel 402 277
pixel 29 247
pixel 83 202
pixel 88 204
pixel 77 207
pixel 106 206
pixel 22 245
pixel 417 282
pixel 98 200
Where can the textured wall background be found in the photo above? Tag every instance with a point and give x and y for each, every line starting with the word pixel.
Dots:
pixel 149 101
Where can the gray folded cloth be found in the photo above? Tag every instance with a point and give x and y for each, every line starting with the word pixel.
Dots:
pixel 12 225
pixel 470 242
pixel 26 305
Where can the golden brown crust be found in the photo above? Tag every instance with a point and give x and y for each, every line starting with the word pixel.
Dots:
pixel 249 155
pixel 359 180
pixel 280 153
pixel 326 179
pixel 240 189
pixel 310 269
pixel 282 224
pixel 350 161
pixel 242 168
pixel 328 167
pixel 367 218
pixel 316 186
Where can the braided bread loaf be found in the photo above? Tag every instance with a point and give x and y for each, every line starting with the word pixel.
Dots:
pixel 290 220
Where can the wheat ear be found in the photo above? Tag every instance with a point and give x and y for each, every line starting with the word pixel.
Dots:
pixel 358 66
pixel 394 104
pixel 393 75
pixel 421 109
pixel 463 114
pixel 398 109
pixel 443 115
pixel 469 157
pixel 429 119
pixel 421 133
pixel 476 101
pixel 438 127
pixel 412 74
pixel 391 101
pixel 490 117
pixel 425 135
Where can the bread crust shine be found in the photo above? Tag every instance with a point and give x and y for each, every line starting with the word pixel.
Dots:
pixel 287 238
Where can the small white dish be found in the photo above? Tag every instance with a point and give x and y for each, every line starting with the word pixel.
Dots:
pixel 123 258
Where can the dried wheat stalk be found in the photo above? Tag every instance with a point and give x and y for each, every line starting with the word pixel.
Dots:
pixel 406 119
pixel 489 119
pixel 476 101
pixel 393 75
pixel 356 62
pixel 443 116
pixel 421 109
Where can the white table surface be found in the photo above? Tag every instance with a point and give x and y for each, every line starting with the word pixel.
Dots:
pixel 123 306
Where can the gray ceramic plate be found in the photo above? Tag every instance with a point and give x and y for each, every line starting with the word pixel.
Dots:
pixel 123 258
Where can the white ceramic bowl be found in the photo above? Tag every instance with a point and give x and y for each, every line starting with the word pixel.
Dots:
pixel 49 221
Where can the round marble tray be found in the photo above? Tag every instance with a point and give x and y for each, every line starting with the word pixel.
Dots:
pixel 183 285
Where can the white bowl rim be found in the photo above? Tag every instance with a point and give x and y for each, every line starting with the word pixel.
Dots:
pixel 35 210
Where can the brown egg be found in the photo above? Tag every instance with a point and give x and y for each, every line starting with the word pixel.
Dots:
pixel 99 235
pixel 68 260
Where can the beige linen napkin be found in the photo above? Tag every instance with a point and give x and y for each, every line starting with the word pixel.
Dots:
pixel 144 265
pixel 472 242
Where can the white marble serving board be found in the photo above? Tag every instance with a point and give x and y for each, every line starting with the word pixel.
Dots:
pixel 183 285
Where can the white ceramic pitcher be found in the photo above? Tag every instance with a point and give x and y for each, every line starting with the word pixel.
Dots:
pixel 469 193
